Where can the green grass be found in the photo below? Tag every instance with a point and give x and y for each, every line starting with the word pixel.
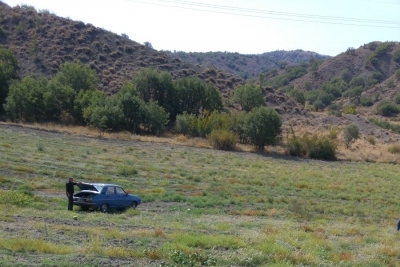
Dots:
pixel 237 209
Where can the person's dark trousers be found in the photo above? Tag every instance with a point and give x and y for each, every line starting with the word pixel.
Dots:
pixel 70 203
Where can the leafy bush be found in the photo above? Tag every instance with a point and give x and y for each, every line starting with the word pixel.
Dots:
pixel 350 134
pixel 222 139
pixel 315 146
pixel 248 96
pixel 298 96
pixel 387 108
pixel 366 101
pixel 321 147
pixel 296 146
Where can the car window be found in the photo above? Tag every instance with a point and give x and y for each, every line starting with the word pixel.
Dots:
pixel 110 190
pixel 120 191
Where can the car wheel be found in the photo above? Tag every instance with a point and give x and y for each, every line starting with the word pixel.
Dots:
pixel 104 207
pixel 134 205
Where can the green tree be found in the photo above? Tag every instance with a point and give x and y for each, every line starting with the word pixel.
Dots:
pixel 8 71
pixel 77 75
pixel 132 109
pixel 83 104
pixel 298 96
pixel 191 94
pixel 25 100
pixel 58 101
pixel 157 86
pixel 154 118
pixel 212 98
pixel 263 127
pixel 248 96
pixel 105 114
pixel 350 134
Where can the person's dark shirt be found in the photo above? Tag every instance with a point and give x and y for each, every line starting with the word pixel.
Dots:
pixel 70 187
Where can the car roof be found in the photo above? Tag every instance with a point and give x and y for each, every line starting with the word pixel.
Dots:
pixel 102 185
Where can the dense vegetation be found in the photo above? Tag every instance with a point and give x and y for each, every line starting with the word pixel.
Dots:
pixel 144 104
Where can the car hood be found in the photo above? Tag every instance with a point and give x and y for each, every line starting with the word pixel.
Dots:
pixel 87 187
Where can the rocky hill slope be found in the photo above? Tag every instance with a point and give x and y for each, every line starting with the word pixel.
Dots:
pixel 248 66
pixel 42 42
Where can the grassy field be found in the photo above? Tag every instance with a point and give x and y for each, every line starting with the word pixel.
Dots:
pixel 201 207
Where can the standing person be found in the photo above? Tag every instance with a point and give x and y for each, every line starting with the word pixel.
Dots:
pixel 69 188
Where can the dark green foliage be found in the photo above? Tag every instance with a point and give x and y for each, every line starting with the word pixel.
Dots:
pixel 397 99
pixel 335 87
pixel 350 134
pixel 248 96
pixel 321 147
pixel 58 101
pixel 383 48
pixel 263 127
pixel 354 94
pixel 314 146
pixel 374 79
pixel 296 146
pixel 298 96
pixel 386 125
pixel 222 139
pixel 77 75
pixel 25 100
pixel 157 86
pixel 8 71
pixel 366 101
pixel 154 118
pixel 105 114
pixel 291 74
pixel 187 94
pixel 387 108
pixel 357 81
pixel 212 98
pixel 351 51
pixel 132 110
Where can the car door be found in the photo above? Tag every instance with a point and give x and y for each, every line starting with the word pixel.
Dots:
pixel 110 196
pixel 123 198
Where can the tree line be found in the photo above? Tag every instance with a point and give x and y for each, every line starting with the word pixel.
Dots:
pixel 145 104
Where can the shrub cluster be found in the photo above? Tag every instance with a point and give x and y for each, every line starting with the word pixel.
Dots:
pixel 315 146
pixel 260 127
pixel 387 108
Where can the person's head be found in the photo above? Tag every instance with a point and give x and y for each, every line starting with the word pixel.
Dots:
pixel 71 180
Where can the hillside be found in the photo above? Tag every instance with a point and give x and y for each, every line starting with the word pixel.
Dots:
pixel 248 66
pixel 43 41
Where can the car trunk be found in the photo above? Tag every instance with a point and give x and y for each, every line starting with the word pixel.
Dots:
pixel 84 196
